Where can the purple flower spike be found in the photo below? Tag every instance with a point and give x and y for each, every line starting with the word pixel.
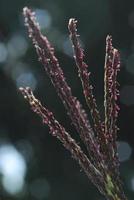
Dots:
pixel 101 165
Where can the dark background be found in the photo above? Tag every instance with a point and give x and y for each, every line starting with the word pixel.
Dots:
pixel 33 164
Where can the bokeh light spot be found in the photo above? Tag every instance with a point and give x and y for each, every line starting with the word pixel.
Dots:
pixel 26 149
pixel 17 46
pixel 130 64
pixel 67 48
pixel 43 18
pixel 124 151
pixel 131 19
pixel 3 53
pixel 26 79
pixel 132 183
pixel 127 95
pixel 12 168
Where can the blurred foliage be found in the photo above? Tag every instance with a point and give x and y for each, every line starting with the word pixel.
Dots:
pixel 49 173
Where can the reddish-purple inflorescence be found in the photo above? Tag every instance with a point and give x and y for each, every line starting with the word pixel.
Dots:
pixel 101 165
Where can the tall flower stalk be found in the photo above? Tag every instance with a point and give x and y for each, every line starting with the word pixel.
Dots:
pixel 101 164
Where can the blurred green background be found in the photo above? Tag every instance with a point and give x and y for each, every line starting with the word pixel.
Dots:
pixel 33 164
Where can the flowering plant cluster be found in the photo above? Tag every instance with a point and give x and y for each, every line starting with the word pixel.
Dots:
pixel 101 164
